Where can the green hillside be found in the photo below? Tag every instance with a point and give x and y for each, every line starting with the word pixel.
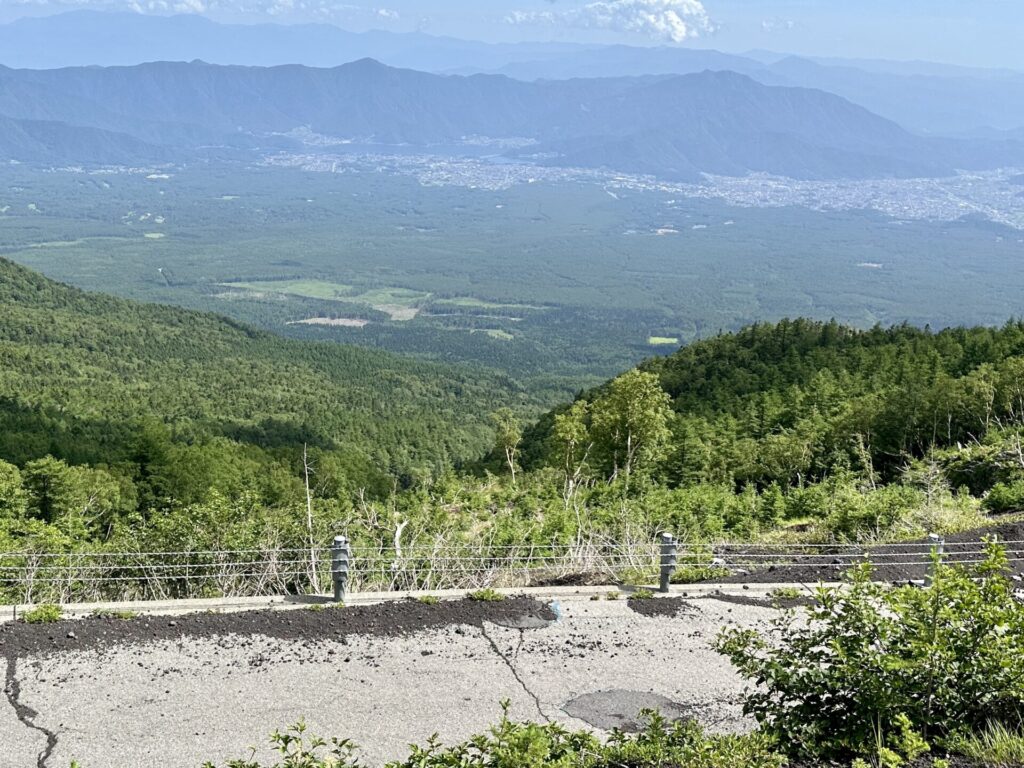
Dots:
pixel 96 380
pixel 788 403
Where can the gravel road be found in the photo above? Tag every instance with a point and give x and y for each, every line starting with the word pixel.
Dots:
pixel 178 691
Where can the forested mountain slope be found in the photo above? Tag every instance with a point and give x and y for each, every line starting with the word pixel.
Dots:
pixel 98 380
pixel 794 402
pixel 673 126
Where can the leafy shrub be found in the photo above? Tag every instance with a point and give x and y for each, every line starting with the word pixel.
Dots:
pixel 642 594
pixel 1005 498
pixel 299 751
pixel 486 596
pixel 43 614
pixel 429 599
pixel 876 669
pixel 532 745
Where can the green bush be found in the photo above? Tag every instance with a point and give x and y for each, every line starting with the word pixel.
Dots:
pixel 530 745
pixel 429 599
pixel 1005 497
pixel 43 614
pixel 300 751
pixel 642 594
pixel 876 669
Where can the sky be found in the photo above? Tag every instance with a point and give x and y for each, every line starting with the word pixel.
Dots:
pixel 985 33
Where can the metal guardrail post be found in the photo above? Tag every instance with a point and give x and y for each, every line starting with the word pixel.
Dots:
pixel 669 552
pixel 341 558
pixel 938 550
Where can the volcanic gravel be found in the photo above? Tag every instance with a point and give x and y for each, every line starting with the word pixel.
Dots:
pixel 384 620
pixel 669 607
pixel 890 562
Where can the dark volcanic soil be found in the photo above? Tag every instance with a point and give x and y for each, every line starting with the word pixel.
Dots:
pixel 384 620
pixel 660 606
pixel 894 563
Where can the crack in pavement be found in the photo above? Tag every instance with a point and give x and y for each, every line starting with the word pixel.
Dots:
pixel 26 715
pixel 511 668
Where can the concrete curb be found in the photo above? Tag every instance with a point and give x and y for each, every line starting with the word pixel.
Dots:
pixel 292 602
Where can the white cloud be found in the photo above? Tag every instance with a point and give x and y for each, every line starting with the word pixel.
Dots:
pixel 777 25
pixel 668 20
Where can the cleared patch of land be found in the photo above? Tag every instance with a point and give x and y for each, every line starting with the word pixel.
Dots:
pixel 339 322
pixel 659 341
pixel 309 289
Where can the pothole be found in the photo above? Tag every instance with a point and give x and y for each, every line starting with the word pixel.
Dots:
pixel 620 709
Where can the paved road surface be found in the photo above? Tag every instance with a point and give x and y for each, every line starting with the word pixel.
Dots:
pixel 176 703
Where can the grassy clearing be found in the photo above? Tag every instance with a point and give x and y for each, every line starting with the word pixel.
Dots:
pixel 308 289
pixel 662 341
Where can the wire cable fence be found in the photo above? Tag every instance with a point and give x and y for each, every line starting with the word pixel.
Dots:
pixel 103 576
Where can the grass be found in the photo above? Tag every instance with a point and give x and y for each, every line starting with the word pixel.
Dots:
pixel 308 289
pixel 104 613
pixel 662 341
pixel 642 594
pixel 43 614
pixel 639 576
pixel 429 599
pixel 486 596
pixel 786 593
pixel 997 745
pixel 693 574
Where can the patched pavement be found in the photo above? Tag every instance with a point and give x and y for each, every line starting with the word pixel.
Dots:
pixel 181 694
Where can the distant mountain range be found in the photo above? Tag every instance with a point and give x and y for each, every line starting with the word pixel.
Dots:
pixel 675 127
pixel 925 98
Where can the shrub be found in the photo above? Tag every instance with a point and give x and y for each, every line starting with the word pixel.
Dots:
pixel 876 669
pixel 43 614
pixel 532 745
pixel 642 594
pixel 486 596
pixel 1005 498
pixel 429 599
pixel 301 751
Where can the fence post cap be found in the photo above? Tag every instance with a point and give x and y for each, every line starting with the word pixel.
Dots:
pixel 666 536
pixel 340 541
pixel 934 537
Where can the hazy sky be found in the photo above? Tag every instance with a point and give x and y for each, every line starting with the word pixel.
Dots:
pixel 980 32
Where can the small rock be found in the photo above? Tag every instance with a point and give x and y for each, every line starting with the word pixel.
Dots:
pixel 71 635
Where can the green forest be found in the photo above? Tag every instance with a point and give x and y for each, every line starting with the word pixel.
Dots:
pixel 128 427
